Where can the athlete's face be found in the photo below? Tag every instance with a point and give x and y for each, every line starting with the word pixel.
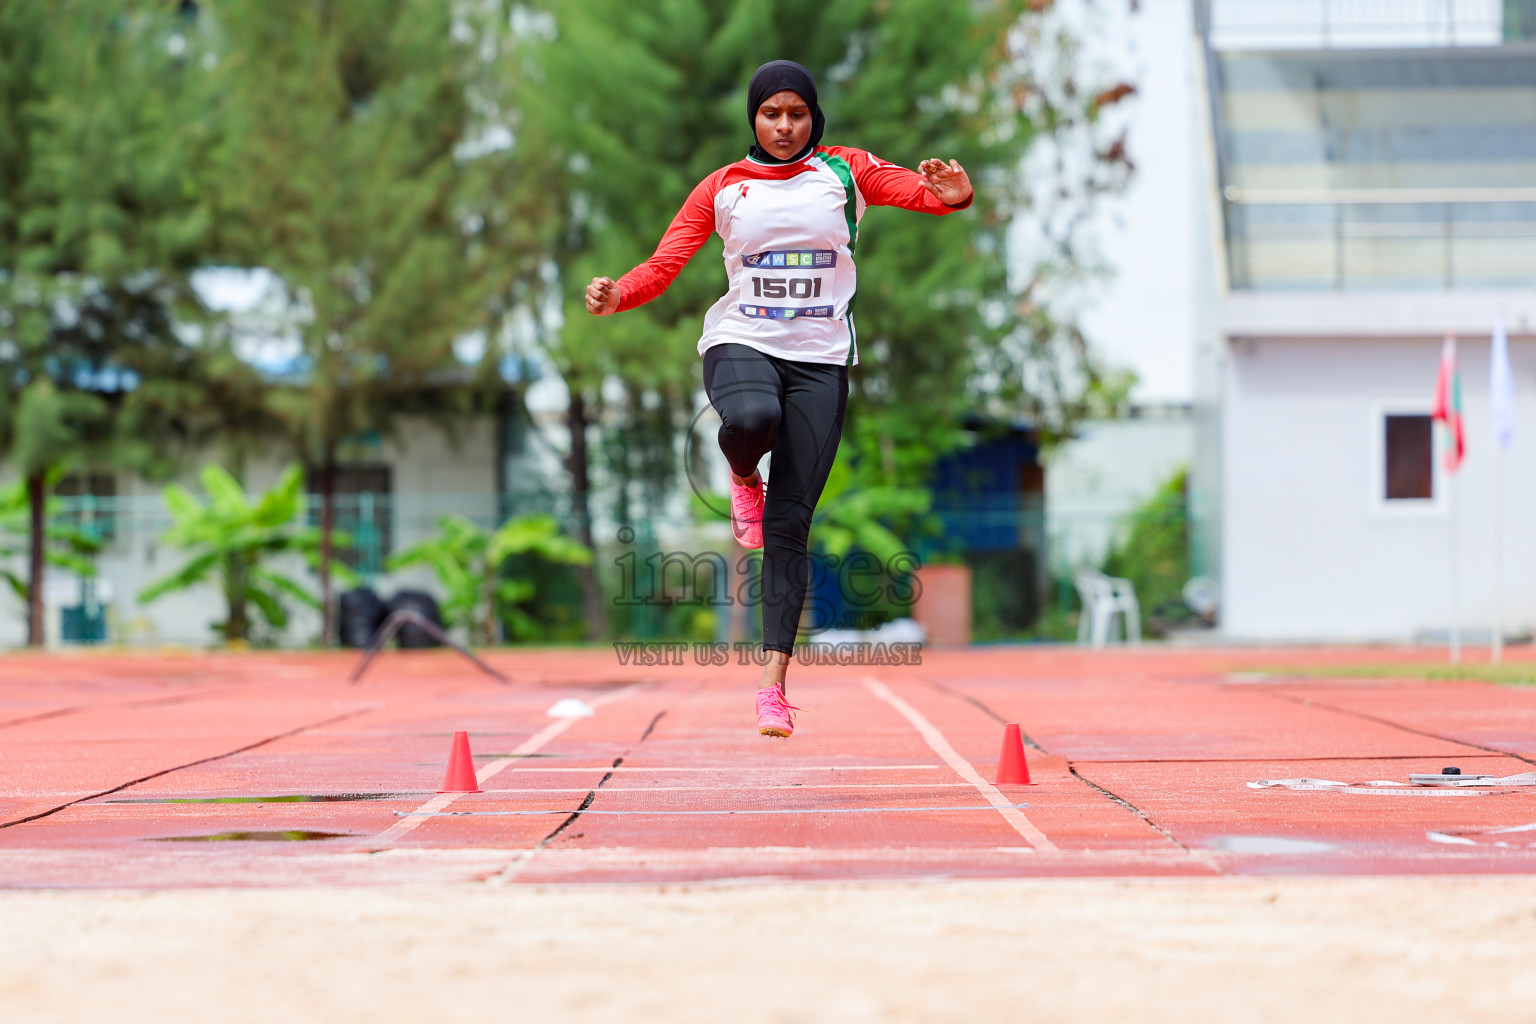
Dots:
pixel 783 124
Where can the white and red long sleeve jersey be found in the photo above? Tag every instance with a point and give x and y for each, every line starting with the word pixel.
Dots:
pixel 790 232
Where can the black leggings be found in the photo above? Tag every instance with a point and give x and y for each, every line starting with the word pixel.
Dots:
pixel 794 410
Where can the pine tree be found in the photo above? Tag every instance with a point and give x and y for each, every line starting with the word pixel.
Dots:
pixel 101 221
pixel 348 170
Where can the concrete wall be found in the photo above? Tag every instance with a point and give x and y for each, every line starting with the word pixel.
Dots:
pixel 1310 549
pixel 1093 481
pixel 431 476
pixel 1145 314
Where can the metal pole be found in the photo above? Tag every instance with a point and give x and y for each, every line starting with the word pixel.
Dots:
pixel 392 625
pixel 1497 652
pixel 1450 493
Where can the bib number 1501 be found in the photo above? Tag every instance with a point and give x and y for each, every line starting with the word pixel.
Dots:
pixel 793 287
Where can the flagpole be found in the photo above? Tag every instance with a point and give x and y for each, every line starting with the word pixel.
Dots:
pixel 1496 653
pixel 1450 494
pixel 1448 414
pixel 1501 408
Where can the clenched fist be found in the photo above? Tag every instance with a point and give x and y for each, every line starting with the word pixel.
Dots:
pixel 602 296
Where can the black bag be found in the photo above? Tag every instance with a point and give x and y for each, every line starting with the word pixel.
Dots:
pixel 360 613
pixel 413 637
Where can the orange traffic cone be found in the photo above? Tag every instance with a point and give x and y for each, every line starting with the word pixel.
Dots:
pixel 1012 769
pixel 461 768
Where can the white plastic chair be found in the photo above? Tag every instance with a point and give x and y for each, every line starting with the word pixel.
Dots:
pixel 1103 598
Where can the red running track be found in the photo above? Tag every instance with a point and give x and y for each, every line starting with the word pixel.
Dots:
pixel 123 770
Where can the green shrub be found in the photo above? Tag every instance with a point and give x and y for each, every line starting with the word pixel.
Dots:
pixel 1154 554
pixel 231 539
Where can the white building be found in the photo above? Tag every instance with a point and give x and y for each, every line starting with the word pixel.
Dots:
pixel 1376 166
pixel 400 487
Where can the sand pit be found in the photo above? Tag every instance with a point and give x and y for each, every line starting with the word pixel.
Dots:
pixel 1217 949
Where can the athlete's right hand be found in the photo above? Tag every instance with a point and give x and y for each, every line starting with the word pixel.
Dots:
pixel 602 296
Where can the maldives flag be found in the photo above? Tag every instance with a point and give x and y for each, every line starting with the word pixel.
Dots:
pixel 1448 404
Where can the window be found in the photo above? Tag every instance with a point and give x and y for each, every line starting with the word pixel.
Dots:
pixel 1410 455
pixel 90 503
pixel 362 502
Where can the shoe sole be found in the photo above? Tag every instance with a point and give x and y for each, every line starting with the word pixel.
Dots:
pixel 773 730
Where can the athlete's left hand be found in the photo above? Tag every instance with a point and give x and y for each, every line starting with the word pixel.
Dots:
pixel 948 182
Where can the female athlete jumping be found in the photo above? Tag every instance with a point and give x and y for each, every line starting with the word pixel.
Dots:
pixel 778 344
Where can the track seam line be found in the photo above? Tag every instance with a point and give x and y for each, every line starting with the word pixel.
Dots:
pixel 962 695
pixel 383 840
pixel 508 874
pixel 1309 702
pixel 941 746
pixel 192 764
pixel 1198 855
pixel 75 709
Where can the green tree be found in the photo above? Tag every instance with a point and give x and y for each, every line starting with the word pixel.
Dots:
pixel 640 103
pixel 470 562
pixel 873 519
pixel 102 219
pixel 231 539
pixel 347 168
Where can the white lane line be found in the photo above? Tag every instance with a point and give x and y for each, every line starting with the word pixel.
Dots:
pixel 567 812
pixel 490 769
pixel 936 741
pixel 736 769
pixel 632 789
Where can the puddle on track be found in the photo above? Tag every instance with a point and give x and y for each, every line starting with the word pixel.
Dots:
pixel 292 798
pixel 1269 844
pixel 292 836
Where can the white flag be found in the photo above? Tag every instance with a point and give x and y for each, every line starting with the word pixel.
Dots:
pixel 1501 387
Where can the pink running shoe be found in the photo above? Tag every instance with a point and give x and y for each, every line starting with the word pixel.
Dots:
pixel 747 513
pixel 773 713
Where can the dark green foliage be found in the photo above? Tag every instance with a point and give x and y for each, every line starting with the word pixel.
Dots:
pixel 340 169
pixel 103 215
pixel 1004 601
pixel 472 566
pixel 1155 554
pixel 640 102
pixel 67 547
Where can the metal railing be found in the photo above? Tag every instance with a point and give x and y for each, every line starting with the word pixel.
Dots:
pixel 1022 555
pixel 1359 239
pixel 1346 24
pixel 378 523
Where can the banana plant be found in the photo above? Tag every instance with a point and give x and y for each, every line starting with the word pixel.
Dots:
pixel 231 539
pixel 468 560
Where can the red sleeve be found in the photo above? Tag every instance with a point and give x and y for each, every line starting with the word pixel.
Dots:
pixel 684 236
pixel 884 184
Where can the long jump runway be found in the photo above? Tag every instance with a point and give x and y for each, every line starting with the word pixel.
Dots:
pixel 161 771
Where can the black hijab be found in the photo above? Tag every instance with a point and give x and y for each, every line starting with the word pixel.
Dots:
pixel 776 76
